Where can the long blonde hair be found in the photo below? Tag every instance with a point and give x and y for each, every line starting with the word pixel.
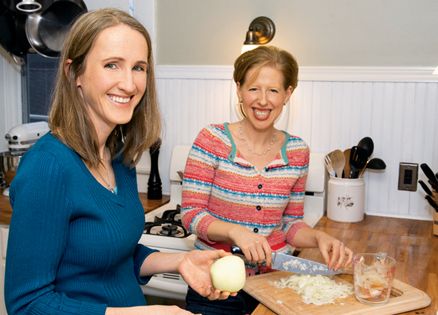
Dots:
pixel 68 118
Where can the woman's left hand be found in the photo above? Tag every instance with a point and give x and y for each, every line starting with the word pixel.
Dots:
pixel 195 269
pixel 335 253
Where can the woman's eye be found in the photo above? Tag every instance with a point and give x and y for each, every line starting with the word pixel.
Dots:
pixel 252 89
pixel 111 66
pixel 139 68
pixel 274 91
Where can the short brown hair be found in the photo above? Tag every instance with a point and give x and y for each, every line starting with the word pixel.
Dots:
pixel 267 56
pixel 68 116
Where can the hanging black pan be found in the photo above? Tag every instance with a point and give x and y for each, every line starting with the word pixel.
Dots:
pixel 47 29
pixel 12 34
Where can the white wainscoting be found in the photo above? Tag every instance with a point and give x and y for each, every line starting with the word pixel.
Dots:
pixel 331 108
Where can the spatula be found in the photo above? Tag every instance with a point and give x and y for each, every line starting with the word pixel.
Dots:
pixel 338 161
pixel 329 166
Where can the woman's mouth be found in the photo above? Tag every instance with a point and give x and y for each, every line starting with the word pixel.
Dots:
pixel 261 114
pixel 119 99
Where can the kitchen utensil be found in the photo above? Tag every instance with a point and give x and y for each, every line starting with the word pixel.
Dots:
pixel 404 297
pixel 373 164
pixel 338 161
pixel 358 160
pixel 347 168
pixel 329 166
pixel 425 187
pixel 367 144
pixel 46 29
pixel 432 202
pixel 430 175
pixel 12 35
pixel 285 262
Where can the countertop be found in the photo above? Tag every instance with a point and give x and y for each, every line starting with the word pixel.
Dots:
pixel 410 242
pixel 148 205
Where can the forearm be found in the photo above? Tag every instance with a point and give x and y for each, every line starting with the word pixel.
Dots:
pixel 160 262
pixel 307 237
pixel 220 231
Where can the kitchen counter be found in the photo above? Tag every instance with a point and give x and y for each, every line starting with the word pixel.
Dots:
pixel 148 205
pixel 410 242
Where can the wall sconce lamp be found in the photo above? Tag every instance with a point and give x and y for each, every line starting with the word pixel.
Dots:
pixel 261 31
pixel 28 6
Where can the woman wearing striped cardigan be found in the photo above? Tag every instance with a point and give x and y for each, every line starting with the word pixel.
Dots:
pixel 244 181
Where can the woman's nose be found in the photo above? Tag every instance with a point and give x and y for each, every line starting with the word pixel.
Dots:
pixel 263 98
pixel 127 82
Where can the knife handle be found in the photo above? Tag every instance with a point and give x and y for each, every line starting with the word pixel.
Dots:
pixel 429 173
pixel 432 202
pixel 425 187
pixel 235 250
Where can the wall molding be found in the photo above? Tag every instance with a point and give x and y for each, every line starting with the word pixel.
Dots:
pixel 333 74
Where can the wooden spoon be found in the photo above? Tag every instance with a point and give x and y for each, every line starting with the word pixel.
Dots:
pixel 338 161
pixel 347 163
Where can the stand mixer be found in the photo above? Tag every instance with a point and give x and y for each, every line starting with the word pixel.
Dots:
pixel 20 138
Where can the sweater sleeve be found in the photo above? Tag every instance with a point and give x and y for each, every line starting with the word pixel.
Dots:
pixel 37 238
pixel 294 212
pixel 199 176
pixel 141 253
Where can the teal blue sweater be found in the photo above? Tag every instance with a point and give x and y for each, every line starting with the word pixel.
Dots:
pixel 73 245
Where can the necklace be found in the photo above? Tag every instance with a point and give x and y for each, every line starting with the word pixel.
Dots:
pixel 110 187
pixel 249 148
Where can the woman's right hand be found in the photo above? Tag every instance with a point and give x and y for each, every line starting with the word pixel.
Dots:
pixel 150 309
pixel 255 247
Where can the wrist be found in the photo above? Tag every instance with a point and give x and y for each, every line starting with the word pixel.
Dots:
pixel 234 232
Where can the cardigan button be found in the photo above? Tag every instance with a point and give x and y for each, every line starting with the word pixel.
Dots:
pixel 256 230
pixel 259 208
pixel 259 186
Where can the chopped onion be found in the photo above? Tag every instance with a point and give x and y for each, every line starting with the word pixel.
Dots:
pixel 317 289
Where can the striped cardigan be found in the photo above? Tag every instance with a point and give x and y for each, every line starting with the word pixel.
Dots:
pixel 219 184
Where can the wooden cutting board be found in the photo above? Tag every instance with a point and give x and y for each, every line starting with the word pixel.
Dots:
pixel 285 301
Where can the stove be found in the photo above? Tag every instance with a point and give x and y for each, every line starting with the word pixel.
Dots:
pixel 165 232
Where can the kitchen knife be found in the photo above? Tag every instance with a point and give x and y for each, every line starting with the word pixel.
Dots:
pixel 432 202
pixel 425 187
pixel 281 261
pixel 430 175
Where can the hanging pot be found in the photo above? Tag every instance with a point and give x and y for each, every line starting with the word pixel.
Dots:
pixel 12 35
pixel 47 29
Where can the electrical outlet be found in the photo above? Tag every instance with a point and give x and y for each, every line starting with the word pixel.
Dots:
pixel 407 176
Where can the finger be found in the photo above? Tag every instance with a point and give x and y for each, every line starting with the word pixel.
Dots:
pixel 224 295
pixel 334 254
pixel 268 253
pixel 341 258
pixel 261 256
pixel 349 255
pixel 214 295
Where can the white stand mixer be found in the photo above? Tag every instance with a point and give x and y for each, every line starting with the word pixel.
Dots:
pixel 20 138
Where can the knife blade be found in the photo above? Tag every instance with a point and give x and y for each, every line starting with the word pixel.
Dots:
pixel 285 262
pixel 281 261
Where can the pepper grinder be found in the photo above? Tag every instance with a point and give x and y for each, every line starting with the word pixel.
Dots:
pixel 154 182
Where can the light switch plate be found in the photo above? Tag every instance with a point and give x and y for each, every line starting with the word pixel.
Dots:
pixel 408 176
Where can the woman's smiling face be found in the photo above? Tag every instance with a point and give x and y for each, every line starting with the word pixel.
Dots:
pixel 263 96
pixel 114 80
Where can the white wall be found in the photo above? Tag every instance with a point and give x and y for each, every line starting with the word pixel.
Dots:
pixel 332 108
